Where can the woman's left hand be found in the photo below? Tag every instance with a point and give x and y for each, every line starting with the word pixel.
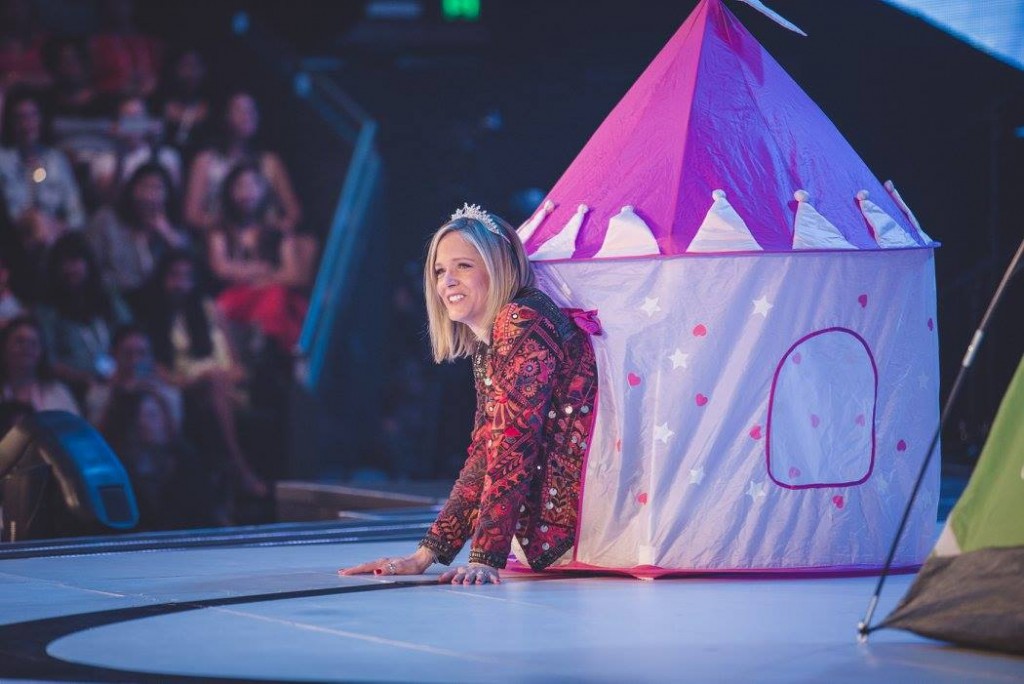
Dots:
pixel 474 573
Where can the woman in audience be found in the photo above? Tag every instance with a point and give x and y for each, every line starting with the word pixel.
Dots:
pixel 161 465
pixel 266 271
pixel 135 369
pixel 130 238
pixel 36 180
pixel 202 198
pixel 193 353
pixel 79 314
pixel 25 372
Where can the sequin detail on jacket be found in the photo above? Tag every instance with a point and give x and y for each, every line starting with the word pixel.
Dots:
pixel 536 389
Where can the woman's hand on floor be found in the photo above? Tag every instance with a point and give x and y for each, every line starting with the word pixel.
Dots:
pixel 413 564
pixel 473 573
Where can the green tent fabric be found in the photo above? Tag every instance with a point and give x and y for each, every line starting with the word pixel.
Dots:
pixel 971 589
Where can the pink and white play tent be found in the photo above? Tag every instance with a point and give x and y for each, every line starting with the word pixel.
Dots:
pixel 769 364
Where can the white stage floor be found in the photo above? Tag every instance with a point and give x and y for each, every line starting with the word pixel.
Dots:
pixel 282 613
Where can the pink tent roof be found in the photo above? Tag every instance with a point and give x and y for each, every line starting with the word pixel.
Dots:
pixel 714 111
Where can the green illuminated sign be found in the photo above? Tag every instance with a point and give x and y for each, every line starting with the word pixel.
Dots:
pixel 460 10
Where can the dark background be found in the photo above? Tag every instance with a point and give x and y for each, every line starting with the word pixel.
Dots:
pixel 493 112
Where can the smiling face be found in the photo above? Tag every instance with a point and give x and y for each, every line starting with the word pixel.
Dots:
pixel 462 283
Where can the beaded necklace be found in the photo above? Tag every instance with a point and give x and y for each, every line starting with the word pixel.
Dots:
pixel 481 357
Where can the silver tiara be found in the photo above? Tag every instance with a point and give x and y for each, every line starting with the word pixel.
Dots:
pixel 473 211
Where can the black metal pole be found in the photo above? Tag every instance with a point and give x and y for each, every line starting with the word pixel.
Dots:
pixel 864 626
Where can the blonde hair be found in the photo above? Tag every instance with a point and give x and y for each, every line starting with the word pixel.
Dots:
pixel 508 271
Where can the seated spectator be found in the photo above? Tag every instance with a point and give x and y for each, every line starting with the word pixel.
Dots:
pixel 10 307
pixel 25 372
pixel 240 121
pixel 21 47
pixel 266 271
pixel 135 369
pixel 185 101
pixel 136 142
pixel 37 182
pixel 170 486
pixel 193 353
pixel 71 94
pixel 125 60
pixel 78 314
pixel 131 237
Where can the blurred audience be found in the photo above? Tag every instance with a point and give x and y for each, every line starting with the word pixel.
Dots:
pixel 185 103
pixel 132 236
pixel 10 306
pixel 134 369
pixel 25 372
pixel 21 46
pixel 78 315
pixel 125 60
pixel 11 412
pixel 136 142
pixel 237 144
pixel 38 186
pixel 266 272
pixel 171 487
pixel 131 203
pixel 193 353
pixel 71 93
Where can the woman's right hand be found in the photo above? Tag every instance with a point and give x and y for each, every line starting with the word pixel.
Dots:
pixel 413 564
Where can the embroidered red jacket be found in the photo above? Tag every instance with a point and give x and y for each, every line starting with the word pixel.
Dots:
pixel 536 389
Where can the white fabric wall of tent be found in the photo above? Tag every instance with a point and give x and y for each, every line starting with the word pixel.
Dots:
pixel 769 363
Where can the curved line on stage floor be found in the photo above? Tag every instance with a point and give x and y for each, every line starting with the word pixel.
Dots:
pixel 23 644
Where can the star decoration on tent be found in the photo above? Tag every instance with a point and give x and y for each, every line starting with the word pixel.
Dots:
pixel 696 475
pixel 650 306
pixel 662 433
pixel 922 381
pixel 756 491
pixel 680 359
pixel 762 306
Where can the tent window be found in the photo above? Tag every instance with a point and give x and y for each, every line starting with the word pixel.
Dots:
pixel 821 416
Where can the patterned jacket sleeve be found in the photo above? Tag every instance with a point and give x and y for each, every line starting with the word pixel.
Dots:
pixel 494 484
pixel 458 517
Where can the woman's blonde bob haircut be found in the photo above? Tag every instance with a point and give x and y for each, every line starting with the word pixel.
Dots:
pixel 508 270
